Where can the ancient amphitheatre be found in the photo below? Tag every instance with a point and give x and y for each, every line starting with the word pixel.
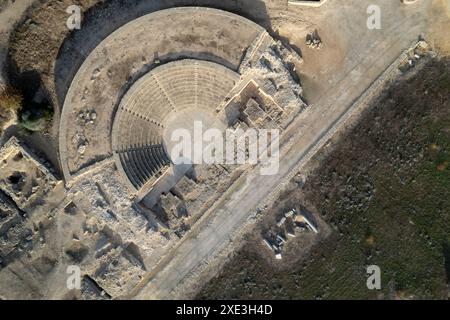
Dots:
pixel 139 226
pixel 225 63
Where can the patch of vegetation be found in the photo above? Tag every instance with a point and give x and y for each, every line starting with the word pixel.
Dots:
pixel 36 117
pixel 31 116
pixel 10 99
pixel 385 191
pixel 35 43
pixel 10 103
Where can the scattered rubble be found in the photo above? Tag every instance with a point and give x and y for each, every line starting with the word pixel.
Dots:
pixel 288 226
pixel 416 55
pixel 313 40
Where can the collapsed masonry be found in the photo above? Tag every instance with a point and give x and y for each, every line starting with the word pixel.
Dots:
pixel 126 205
pixel 26 185
pixel 292 223
pixel 268 96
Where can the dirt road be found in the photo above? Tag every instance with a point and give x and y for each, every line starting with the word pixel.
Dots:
pixel 368 54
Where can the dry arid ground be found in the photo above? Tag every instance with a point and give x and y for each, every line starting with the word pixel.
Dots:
pixel 441 40
pixel 379 193
pixel 40 45
pixel 384 190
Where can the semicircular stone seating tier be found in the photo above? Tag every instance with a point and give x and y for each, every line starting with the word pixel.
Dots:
pixel 127 54
pixel 137 140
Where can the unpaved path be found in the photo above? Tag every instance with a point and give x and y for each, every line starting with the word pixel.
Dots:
pixel 368 56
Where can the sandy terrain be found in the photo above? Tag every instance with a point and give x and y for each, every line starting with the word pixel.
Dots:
pixel 10 15
pixel 333 77
pixel 368 54
pixel 441 40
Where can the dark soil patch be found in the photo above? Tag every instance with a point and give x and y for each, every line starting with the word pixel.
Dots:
pixel 385 191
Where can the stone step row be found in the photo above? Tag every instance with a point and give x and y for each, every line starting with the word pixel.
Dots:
pixel 136 132
pixel 143 163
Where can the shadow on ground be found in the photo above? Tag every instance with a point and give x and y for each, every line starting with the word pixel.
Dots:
pixel 80 43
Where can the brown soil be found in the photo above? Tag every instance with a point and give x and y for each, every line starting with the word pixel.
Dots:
pixel 383 188
pixel 440 39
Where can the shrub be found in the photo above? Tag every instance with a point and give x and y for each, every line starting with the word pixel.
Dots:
pixel 36 118
pixel 10 99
